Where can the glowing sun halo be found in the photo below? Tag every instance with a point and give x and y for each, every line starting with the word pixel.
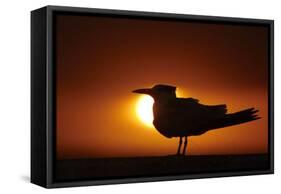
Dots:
pixel 144 110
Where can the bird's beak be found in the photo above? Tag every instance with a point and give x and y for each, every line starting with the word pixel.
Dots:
pixel 143 91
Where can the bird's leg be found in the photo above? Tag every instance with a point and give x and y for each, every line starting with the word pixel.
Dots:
pixel 179 148
pixel 185 145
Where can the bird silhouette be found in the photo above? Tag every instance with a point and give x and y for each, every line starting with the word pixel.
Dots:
pixel 183 117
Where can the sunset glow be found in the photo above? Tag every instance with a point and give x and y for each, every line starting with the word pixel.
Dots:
pixel 101 60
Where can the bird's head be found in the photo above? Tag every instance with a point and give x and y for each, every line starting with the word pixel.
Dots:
pixel 159 91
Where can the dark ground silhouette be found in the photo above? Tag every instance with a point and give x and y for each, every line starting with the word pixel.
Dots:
pixel 102 168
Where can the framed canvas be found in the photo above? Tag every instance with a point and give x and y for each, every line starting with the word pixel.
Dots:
pixel 125 96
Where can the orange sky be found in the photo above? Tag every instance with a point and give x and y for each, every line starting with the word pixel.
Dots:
pixel 100 60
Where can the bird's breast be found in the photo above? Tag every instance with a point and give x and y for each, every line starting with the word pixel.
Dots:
pixel 164 120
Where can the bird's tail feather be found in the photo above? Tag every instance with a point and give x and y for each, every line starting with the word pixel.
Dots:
pixel 243 116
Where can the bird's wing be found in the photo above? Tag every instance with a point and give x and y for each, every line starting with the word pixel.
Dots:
pixel 192 104
pixel 188 100
pixel 190 111
pixel 186 116
pixel 218 110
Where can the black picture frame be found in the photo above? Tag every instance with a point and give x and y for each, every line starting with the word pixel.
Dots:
pixel 43 84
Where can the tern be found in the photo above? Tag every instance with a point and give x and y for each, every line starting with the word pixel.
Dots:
pixel 184 117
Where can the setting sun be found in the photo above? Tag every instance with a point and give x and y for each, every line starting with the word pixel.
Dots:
pixel 144 110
